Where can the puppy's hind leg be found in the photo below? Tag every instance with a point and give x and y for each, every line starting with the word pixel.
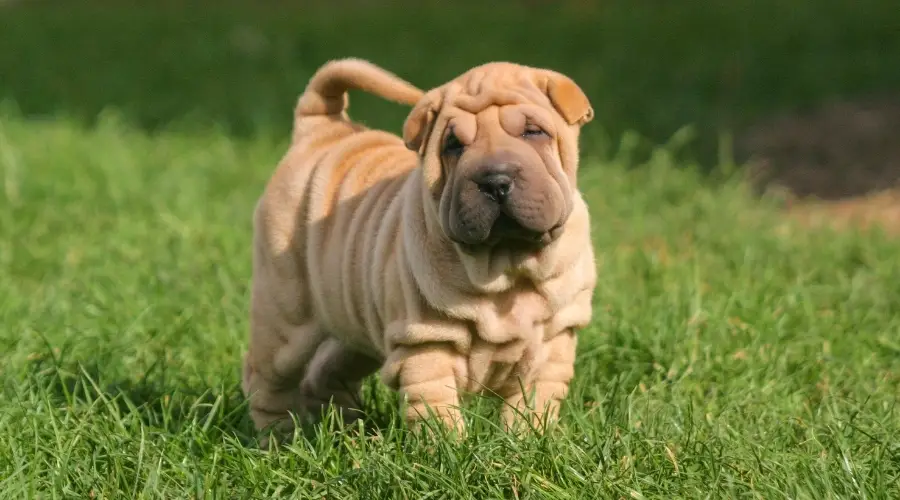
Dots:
pixel 334 376
pixel 284 335
pixel 275 364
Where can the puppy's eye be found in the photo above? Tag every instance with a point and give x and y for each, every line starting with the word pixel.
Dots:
pixel 532 132
pixel 452 146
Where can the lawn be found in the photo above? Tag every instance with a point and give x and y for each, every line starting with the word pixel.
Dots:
pixel 732 353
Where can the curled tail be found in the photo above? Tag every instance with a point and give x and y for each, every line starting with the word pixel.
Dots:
pixel 326 93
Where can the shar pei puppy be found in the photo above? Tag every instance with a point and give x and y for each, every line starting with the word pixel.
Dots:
pixel 454 259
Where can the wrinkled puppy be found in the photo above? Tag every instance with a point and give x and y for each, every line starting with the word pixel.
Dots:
pixel 455 259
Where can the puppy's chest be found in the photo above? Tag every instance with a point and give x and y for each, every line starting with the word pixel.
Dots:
pixel 518 314
pixel 509 333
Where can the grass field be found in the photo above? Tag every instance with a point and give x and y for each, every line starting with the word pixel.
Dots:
pixel 732 354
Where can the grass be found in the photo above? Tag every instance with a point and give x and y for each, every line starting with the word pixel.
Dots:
pixel 732 354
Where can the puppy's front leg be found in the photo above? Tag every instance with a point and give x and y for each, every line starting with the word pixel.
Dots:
pixel 547 387
pixel 426 375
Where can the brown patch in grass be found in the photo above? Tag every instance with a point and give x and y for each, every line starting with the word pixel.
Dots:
pixel 838 165
pixel 866 212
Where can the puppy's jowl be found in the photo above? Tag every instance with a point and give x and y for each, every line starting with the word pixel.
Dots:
pixel 456 259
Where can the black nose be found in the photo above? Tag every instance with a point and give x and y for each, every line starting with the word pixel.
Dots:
pixel 495 186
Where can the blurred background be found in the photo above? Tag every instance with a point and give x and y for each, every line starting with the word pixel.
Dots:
pixel 807 89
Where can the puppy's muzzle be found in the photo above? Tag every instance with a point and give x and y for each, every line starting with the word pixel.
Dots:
pixel 508 212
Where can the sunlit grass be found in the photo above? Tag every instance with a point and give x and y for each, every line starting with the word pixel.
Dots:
pixel 731 354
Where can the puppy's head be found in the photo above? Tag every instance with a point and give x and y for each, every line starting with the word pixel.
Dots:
pixel 499 152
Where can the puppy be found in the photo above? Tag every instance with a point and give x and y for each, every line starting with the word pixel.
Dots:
pixel 456 259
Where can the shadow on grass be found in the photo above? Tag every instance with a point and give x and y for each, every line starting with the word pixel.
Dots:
pixel 171 406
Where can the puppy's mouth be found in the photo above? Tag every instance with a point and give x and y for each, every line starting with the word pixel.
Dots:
pixel 508 234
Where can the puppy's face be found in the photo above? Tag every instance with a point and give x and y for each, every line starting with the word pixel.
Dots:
pixel 498 146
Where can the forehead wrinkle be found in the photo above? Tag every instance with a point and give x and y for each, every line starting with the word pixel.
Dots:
pixel 485 122
pixel 535 95
pixel 477 103
pixel 532 90
pixel 450 91
pixel 481 89
pixel 473 84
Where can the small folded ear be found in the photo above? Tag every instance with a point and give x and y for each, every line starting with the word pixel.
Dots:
pixel 418 123
pixel 569 100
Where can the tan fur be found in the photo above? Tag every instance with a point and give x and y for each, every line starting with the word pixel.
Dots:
pixel 353 268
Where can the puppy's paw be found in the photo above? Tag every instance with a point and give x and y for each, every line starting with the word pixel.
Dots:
pixel 445 420
pixel 277 433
